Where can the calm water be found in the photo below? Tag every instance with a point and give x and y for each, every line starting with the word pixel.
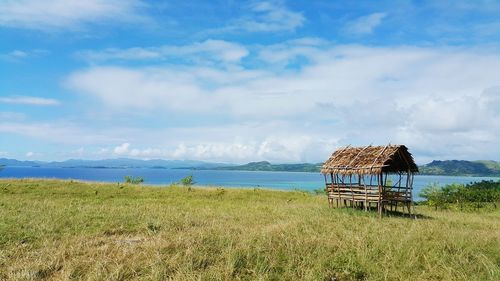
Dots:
pixel 277 180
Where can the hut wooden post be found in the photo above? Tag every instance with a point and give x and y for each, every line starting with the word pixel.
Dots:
pixel 380 182
pixel 333 190
pixel 327 190
pixel 366 195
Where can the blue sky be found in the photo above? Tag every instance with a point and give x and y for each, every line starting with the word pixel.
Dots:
pixel 239 81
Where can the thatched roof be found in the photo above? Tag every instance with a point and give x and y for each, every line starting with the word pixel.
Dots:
pixel 370 160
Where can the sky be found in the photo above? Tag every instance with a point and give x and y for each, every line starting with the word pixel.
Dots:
pixel 239 81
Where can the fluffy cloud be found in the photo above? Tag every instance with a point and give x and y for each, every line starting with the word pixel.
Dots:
pixel 271 16
pixel 206 51
pixel 11 116
pixel 28 100
pixel 265 16
pixel 56 132
pixel 365 24
pixel 424 97
pixel 272 147
pixel 18 55
pixel 122 149
pixel 14 55
pixel 131 88
pixel 334 75
pixel 66 14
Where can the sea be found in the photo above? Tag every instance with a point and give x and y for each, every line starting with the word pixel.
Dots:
pixel 212 178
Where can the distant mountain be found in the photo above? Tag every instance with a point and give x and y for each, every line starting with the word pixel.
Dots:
pixel 112 163
pixel 266 166
pixel 490 164
pixel 18 163
pixel 487 168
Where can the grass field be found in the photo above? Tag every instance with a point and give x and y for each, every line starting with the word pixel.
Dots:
pixel 60 230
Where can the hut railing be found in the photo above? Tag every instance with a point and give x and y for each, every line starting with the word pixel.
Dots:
pixel 367 192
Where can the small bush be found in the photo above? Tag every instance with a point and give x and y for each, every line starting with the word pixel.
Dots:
pixel 433 195
pixel 187 181
pixel 153 227
pixel 320 191
pixel 134 180
pixel 477 194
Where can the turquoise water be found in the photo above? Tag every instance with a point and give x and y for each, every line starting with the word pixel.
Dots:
pixel 250 179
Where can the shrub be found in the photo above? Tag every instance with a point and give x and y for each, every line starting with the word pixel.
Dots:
pixel 187 181
pixel 134 180
pixel 433 195
pixel 320 191
pixel 483 192
pixel 477 193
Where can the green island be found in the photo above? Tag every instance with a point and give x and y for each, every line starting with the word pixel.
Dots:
pixel 480 168
pixel 266 166
pixel 485 168
pixel 69 230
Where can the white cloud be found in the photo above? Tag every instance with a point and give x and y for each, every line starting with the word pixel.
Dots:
pixel 239 149
pixel 271 16
pixel 265 16
pixel 102 151
pixel 29 100
pixel 66 14
pixel 235 151
pixel 283 53
pixel 237 143
pixel 424 97
pixel 338 74
pixel 11 116
pixel 451 114
pixel 78 152
pixel 122 149
pixel 18 55
pixel 30 154
pixel 365 24
pixel 144 88
pixel 206 51
pixel 57 132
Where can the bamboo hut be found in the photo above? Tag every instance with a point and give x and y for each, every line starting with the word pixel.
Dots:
pixel 358 177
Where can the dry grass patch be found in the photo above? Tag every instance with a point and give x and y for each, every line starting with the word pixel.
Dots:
pixel 60 230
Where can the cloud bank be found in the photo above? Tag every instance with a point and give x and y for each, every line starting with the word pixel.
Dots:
pixel 49 15
pixel 26 100
pixel 436 100
pixel 365 24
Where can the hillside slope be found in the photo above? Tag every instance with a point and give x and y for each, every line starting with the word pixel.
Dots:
pixel 446 168
pixel 266 166
pixel 461 168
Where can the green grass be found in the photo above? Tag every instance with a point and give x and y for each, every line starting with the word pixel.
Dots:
pixel 60 230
